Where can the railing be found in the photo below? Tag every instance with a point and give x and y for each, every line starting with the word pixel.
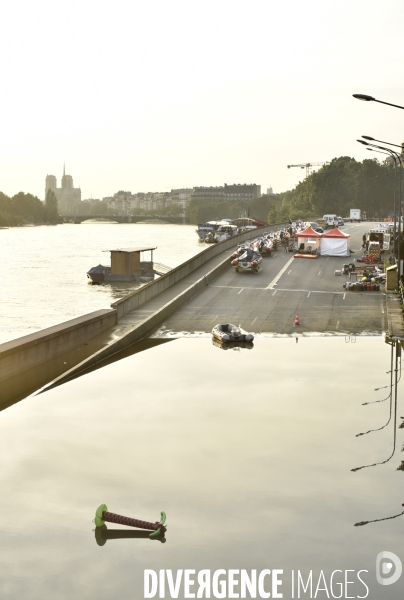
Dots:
pixel 401 293
pixel 161 269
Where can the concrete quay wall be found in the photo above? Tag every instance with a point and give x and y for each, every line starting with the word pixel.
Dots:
pixel 34 349
pixel 152 289
pixel 145 327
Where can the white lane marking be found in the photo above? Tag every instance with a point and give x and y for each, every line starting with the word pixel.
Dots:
pixel 232 287
pixel 240 291
pixel 254 320
pixel 318 273
pixel 275 255
pixel 308 294
pixel 281 272
pixel 337 325
pixel 253 289
pixel 289 271
pixel 215 318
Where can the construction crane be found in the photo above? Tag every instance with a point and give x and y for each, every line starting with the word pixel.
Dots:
pixel 309 166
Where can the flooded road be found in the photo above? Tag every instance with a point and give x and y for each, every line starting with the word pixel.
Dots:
pixel 44 279
pixel 250 453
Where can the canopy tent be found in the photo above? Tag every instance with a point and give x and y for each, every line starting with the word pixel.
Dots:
pixel 311 239
pixel 308 232
pixel 335 243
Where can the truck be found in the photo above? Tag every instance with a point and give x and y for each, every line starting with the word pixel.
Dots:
pixel 355 215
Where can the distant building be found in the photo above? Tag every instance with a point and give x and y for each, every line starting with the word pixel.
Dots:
pixel 68 197
pixel 242 191
pixel 181 196
pixel 237 191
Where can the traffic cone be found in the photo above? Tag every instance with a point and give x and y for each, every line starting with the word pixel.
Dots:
pixel 297 319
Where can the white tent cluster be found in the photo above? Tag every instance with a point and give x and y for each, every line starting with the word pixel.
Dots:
pixel 332 243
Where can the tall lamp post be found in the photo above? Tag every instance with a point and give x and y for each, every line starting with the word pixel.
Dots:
pixel 367 98
pixel 399 158
pixel 395 185
pixel 367 137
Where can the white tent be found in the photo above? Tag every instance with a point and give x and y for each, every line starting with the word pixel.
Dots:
pixel 335 243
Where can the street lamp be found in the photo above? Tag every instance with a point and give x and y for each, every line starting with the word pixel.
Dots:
pixel 379 151
pixel 394 155
pixel 367 137
pixel 366 98
pixel 395 185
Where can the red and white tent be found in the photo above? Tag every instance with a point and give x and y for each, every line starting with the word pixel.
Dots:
pixel 308 233
pixel 335 243
pixel 308 238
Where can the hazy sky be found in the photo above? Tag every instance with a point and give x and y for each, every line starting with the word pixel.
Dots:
pixel 150 95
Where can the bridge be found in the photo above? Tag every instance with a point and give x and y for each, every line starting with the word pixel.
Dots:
pixel 124 218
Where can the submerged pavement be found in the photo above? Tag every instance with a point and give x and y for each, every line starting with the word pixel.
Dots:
pixel 267 302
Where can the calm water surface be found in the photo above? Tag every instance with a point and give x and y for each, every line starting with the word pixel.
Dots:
pixel 249 452
pixel 44 281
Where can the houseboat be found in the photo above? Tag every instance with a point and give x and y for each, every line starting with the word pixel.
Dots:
pixel 127 264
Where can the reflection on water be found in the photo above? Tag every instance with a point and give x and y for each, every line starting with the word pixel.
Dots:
pixel 249 452
pixel 395 375
pixel 17 388
pixel 102 534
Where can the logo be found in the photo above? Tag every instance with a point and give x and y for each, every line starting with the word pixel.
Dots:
pixel 385 561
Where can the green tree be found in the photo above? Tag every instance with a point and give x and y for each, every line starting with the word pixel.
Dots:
pixel 5 210
pixel 273 214
pixel 26 208
pixel 51 211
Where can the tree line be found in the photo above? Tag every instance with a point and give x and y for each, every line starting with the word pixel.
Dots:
pixel 201 209
pixel 23 209
pixel 336 188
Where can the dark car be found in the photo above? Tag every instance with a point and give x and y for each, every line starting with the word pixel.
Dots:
pixel 317 227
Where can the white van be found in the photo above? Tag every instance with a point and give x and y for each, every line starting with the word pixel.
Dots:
pixel 331 221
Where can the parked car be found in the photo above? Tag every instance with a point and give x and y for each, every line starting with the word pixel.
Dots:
pixel 317 227
pixel 340 221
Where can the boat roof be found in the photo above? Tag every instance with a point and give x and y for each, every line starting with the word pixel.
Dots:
pixel 137 249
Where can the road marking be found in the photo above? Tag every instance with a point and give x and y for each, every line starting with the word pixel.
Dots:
pixel 275 255
pixel 254 320
pixel 344 297
pixel 308 294
pixel 289 271
pixel 240 291
pixel 318 273
pixel 215 318
pixel 279 275
pixel 337 325
pixel 274 292
pixel 232 287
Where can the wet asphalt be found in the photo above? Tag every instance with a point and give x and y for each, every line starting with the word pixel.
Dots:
pixel 267 302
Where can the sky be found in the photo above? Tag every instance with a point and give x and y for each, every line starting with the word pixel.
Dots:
pixel 150 96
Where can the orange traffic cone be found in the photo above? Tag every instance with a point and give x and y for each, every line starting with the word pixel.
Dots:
pixel 297 319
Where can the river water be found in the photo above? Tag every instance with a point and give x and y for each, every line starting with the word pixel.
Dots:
pixel 44 279
pixel 250 453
